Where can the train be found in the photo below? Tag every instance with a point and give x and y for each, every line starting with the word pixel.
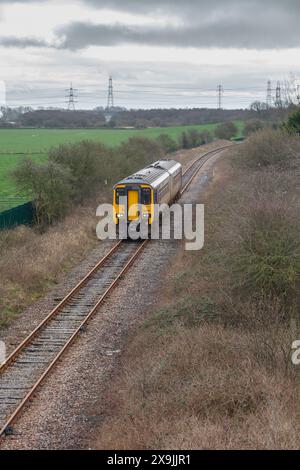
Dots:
pixel 158 183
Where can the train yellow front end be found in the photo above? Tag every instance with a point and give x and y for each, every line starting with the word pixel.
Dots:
pixel 130 199
pixel 134 197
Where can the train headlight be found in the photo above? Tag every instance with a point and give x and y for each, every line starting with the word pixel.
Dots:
pixel 119 216
pixel 146 216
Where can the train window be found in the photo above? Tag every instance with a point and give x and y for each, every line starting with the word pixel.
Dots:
pixel 120 192
pixel 146 196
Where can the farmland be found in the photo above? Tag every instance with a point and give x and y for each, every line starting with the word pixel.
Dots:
pixel 17 143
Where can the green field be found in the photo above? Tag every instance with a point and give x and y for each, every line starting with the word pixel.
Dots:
pixel 16 143
pixel 40 140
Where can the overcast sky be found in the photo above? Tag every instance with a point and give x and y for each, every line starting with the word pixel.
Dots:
pixel 160 53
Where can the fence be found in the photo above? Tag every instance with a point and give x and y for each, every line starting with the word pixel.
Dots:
pixel 20 215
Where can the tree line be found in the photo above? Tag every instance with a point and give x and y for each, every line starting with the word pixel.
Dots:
pixel 138 119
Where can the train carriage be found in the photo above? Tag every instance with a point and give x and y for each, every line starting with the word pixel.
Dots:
pixel 158 183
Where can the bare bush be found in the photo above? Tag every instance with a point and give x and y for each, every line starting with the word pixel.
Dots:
pixel 226 130
pixel 136 153
pixel 264 238
pixel 270 148
pixel 293 122
pixel 48 185
pixel 87 161
pixel 167 143
pixel 199 389
pixel 253 126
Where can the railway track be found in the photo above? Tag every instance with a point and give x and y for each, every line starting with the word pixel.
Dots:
pixel 30 363
pixel 193 169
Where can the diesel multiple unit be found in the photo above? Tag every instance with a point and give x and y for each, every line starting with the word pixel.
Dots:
pixel 158 183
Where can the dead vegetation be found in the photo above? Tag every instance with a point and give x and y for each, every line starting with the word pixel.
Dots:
pixel 32 262
pixel 211 369
pixel 271 148
pixel 200 388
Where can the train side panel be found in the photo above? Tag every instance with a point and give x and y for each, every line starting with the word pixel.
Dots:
pixel 176 181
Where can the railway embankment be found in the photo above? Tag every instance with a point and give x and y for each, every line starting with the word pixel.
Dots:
pixel 212 368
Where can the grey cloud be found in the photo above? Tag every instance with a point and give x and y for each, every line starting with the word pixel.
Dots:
pixel 193 11
pixel 12 41
pixel 270 24
pixel 188 7
pixel 222 32
pixel 134 6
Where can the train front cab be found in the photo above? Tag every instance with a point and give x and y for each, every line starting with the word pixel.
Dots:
pixel 136 195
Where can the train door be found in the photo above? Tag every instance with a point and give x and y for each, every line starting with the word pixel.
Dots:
pixel 133 201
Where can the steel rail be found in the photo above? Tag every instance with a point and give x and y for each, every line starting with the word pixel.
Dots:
pixel 12 417
pixel 199 164
pixel 61 304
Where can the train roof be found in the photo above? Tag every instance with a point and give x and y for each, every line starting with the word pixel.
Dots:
pixel 152 174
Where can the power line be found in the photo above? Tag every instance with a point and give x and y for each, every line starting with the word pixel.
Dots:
pixel 161 94
pixel 158 91
pixel 184 87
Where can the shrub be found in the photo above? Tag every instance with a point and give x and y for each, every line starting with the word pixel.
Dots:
pixel 293 122
pixel 269 260
pixel 194 138
pixel 253 126
pixel 48 185
pixel 205 137
pixel 265 261
pixel 136 153
pixel 183 141
pixel 226 130
pixel 167 143
pixel 88 162
pixel 270 148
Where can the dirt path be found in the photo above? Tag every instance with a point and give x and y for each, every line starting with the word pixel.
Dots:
pixel 73 401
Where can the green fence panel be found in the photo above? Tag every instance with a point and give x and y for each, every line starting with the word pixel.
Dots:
pixel 20 215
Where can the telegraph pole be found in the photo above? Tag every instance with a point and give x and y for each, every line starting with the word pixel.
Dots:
pixel 71 98
pixel 220 92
